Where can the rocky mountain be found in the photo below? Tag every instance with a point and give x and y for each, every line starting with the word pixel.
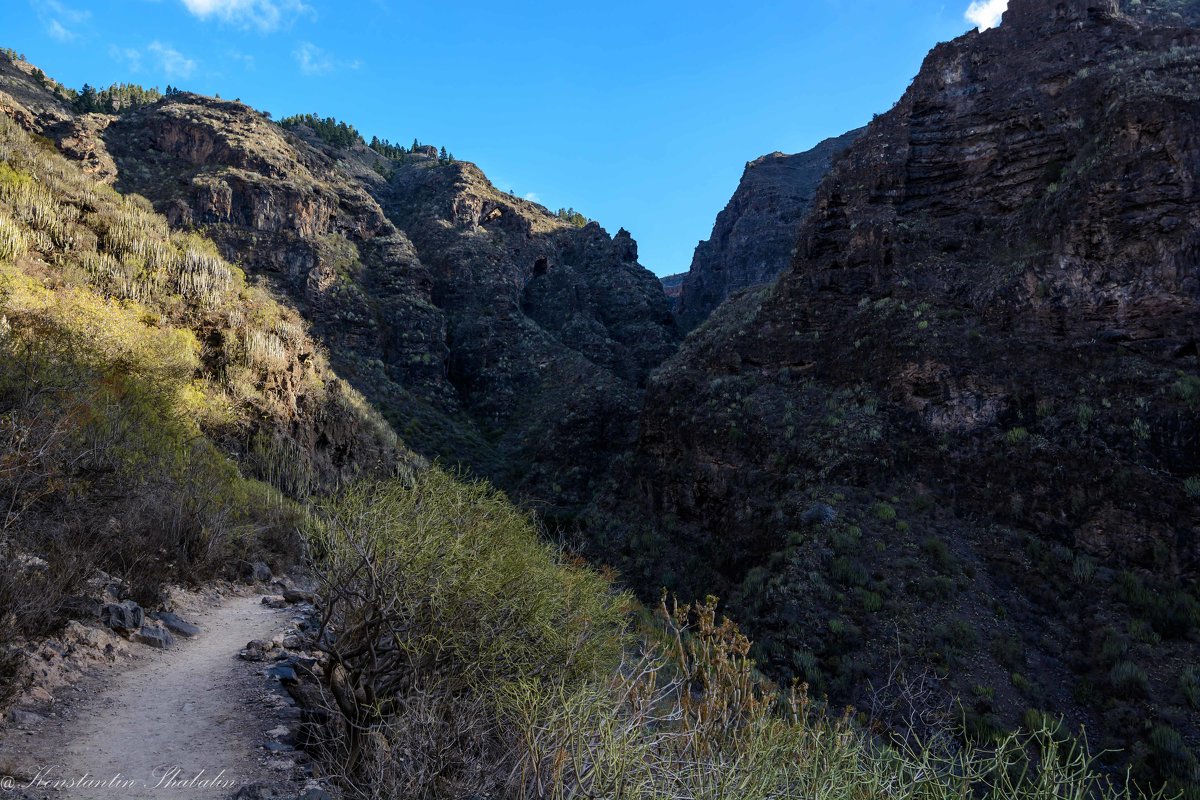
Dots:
pixel 490 332
pixel 754 237
pixel 954 450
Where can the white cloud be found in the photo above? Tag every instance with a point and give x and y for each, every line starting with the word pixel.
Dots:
pixel 171 62
pixel 247 61
pixel 71 15
pixel 985 14
pixel 130 55
pixel 312 60
pixel 167 60
pixel 57 31
pixel 533 197
pixel 266 15
pixel 60 19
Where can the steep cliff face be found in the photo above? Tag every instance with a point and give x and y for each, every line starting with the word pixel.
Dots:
pixel 552 328
pixel 962 424
pixel 754 237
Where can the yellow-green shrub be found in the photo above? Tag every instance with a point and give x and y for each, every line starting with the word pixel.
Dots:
pixel 438 593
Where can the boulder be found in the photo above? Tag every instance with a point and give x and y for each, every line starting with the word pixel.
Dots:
pixel 256 650
pixel 154 636
pixel 285 673
pixel 298 596
pixel 274 601
pixel 25 719
pixel 260 572
pixel 177 625
pixel 123 617
pixel 77 635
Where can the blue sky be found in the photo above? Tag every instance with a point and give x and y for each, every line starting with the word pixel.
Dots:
pixel 639 114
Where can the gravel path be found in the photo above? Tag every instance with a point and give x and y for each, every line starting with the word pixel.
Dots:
pixel 186 722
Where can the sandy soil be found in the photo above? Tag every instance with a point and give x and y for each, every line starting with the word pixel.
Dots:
pixel 187 722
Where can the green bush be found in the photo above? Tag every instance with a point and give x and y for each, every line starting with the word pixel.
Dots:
pixel 938 552
pixel 442 589
pixel 1128 677
pixel 1083 569
pixel 884 512
pixel 1172 758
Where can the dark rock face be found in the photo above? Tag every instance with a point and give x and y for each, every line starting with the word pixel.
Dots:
pixel 983 359
pixel 754 237
pixel 551 330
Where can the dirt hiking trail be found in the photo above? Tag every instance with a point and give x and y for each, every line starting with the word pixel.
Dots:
pixel 194 709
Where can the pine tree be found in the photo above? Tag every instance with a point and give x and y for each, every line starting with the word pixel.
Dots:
pixel 443 156
pixel 87 99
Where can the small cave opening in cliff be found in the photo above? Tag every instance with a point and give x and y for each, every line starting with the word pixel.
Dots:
pixel 540 267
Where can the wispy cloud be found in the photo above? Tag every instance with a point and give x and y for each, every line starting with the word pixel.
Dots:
pixel 533 197
pixel 168 61
pixel 985 14
pixel 61 21
pixel 247 61
pixel 130 56
pixel 171 62
pixel 57 31
pixel 312 60
pixel 265 15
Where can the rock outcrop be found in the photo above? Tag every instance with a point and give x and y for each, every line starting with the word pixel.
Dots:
pixel 551 330
pixel 754 237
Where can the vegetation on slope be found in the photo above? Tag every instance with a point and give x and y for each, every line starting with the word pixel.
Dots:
pixel 155 411
pixel 469 659
pixel 330 130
